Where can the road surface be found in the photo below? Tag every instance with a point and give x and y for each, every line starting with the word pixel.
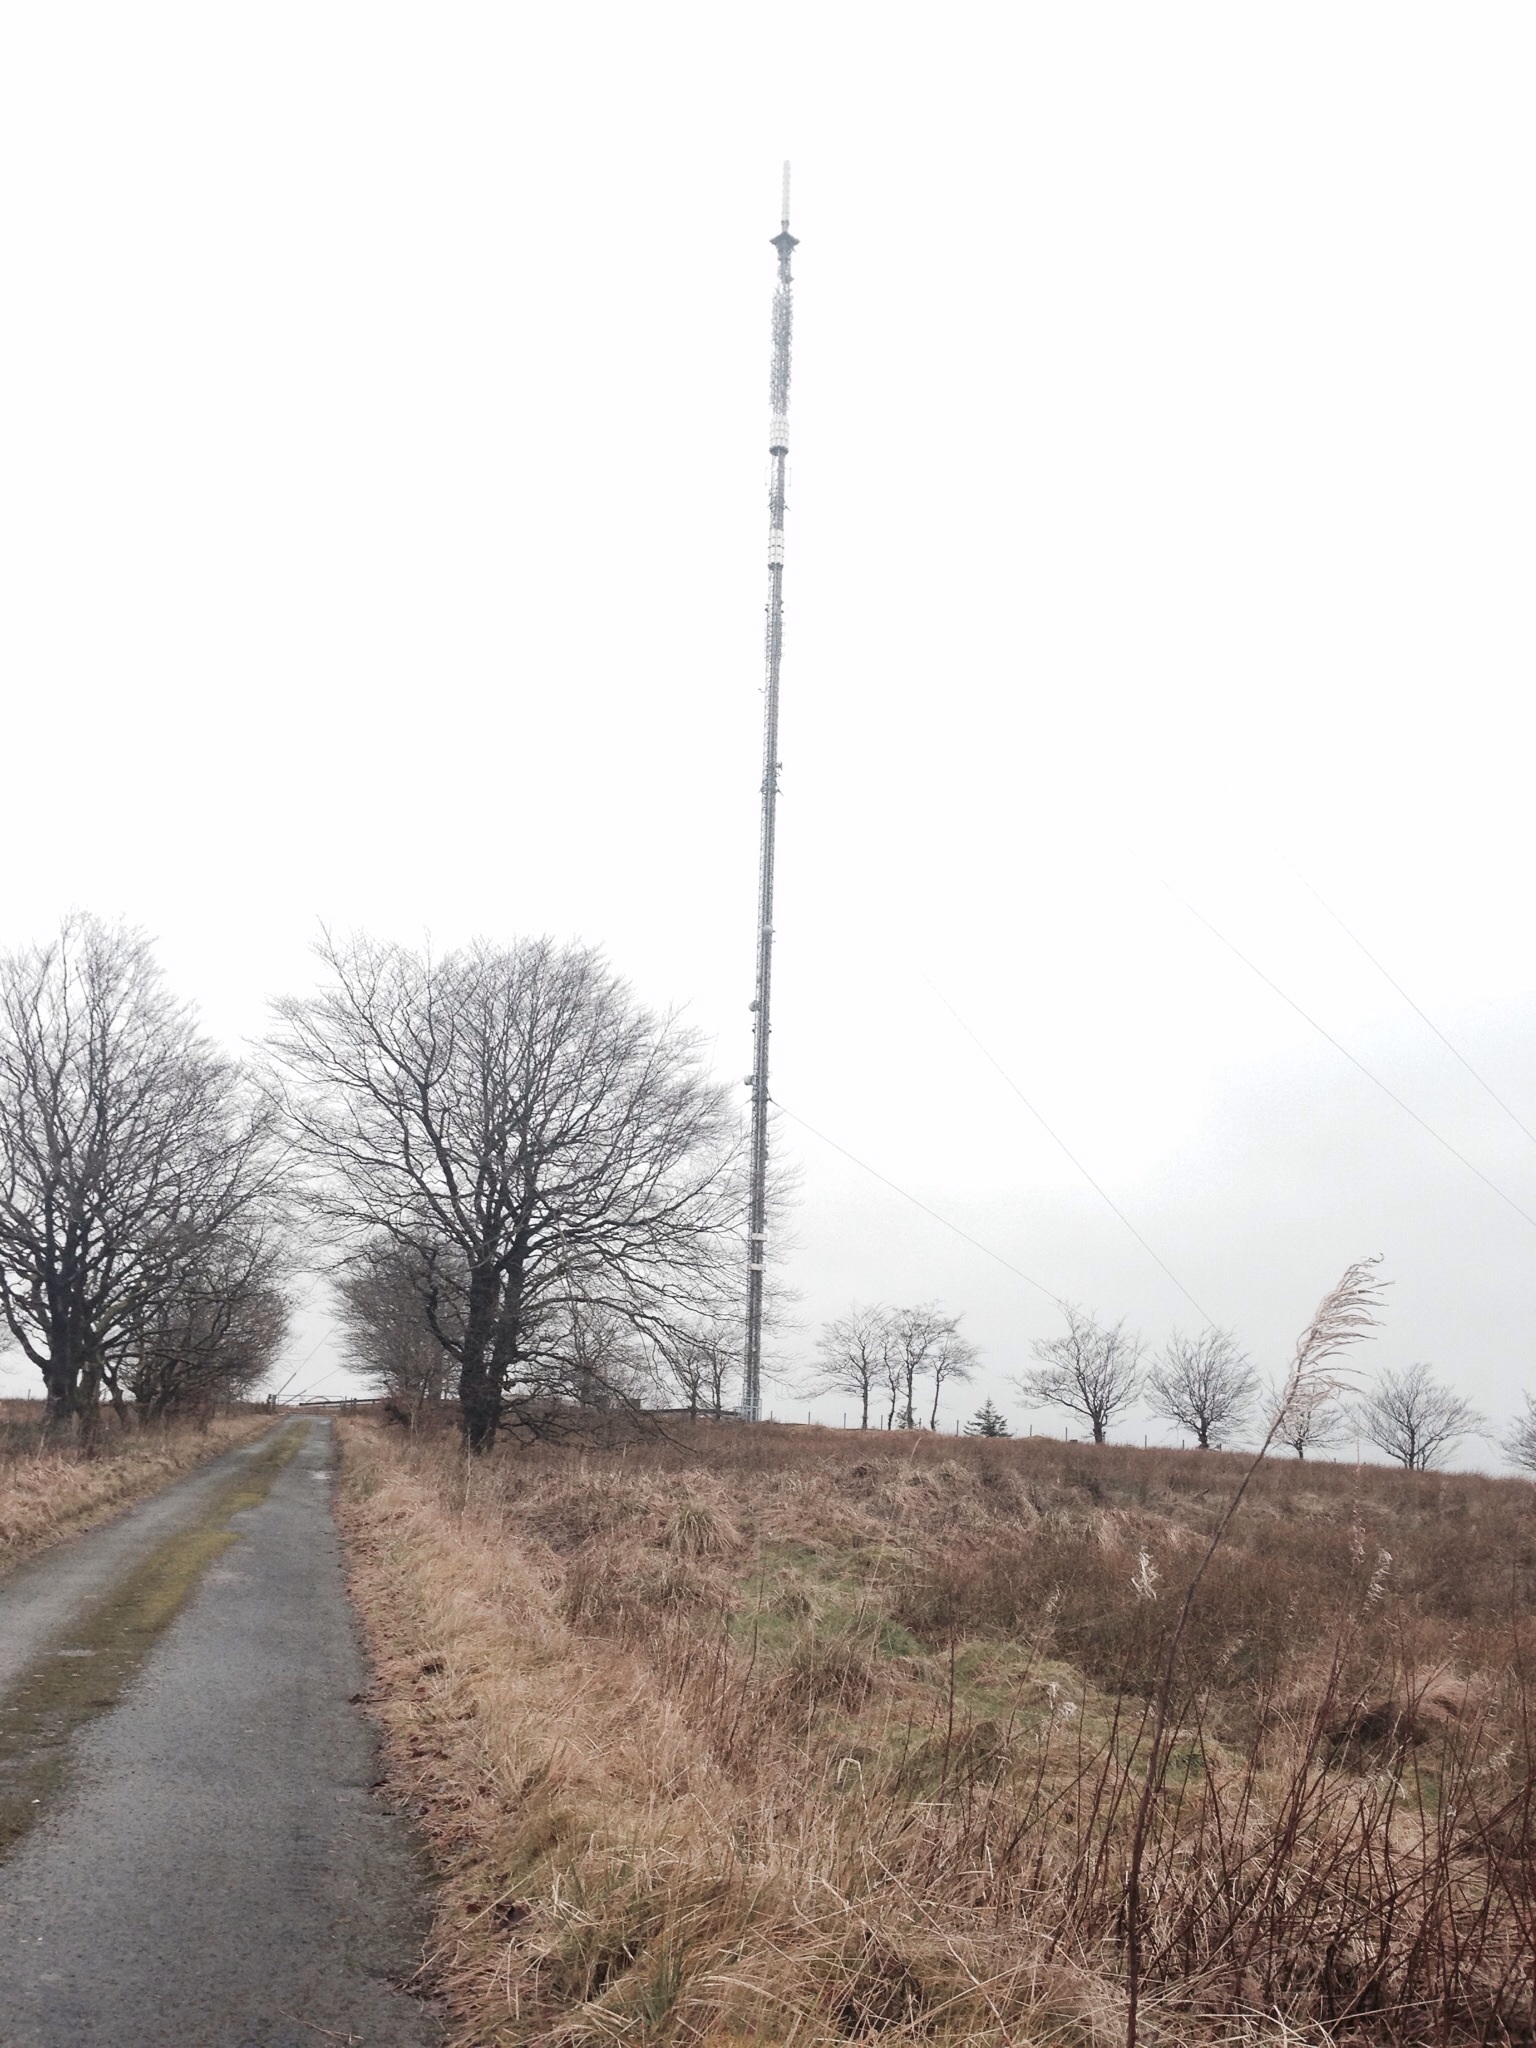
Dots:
pixel 189 1853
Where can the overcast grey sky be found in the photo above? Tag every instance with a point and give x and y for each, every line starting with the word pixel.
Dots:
pixel 383 502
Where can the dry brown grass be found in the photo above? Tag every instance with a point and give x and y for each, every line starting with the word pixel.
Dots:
pixel 51 1489
pixel 789 1735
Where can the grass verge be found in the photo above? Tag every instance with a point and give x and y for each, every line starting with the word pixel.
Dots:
pixel 791 1736
pixel 51 1491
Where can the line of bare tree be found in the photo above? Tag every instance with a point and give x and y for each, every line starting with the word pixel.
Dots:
pixel 528 1183
pixel 532 1192
pixel 1206 1385
pixel 895 1359
pixel 142 1240
pixel 1097 1372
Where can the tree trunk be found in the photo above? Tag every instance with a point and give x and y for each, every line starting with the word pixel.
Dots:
pixel 61 1382
pixel 479 1406
pixel 506 1345
pixel 479 1381
pixel 88 1409
pixel 59 1403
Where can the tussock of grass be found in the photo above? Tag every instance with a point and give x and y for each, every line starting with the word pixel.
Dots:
pixel 781 1736
pixel 51 1489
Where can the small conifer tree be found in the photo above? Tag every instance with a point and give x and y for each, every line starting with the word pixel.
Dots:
pixel 988 1421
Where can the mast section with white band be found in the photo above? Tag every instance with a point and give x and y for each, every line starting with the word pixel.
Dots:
pixel 778 451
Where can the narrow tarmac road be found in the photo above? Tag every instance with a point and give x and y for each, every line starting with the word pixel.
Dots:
pixel 189 1855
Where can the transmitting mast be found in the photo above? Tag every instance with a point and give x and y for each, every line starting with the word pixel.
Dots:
pixel 778 450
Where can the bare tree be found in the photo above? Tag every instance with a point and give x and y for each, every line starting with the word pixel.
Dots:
pixel 213 1334
pixel 724 1382
pixel 906 1348
pixel 1093 1371
pixel 932 1344
pixel 680 1372
pixel 852 1354
pixel 578 1357
pixel 381 1292
pixel 1520 1444
pixel 1204 1384
pixel 891 1374
pixel 598 1363
pixel 1414 1418
pixel 522 1128
pixel 129 1147
pixel 1308 1419
pixel 701 1364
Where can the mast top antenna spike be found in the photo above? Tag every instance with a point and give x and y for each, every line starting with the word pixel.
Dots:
pixel 784 213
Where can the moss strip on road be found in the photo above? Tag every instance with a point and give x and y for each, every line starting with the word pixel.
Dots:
pixel 89 1668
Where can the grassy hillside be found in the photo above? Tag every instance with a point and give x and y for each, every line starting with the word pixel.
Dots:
pixel 797 1735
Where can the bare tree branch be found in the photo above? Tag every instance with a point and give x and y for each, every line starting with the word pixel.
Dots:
pixel 1520 1444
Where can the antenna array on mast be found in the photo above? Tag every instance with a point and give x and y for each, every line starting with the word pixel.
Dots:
pixel 778 452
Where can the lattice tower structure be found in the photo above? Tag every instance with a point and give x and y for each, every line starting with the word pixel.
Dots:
pixel 778 454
